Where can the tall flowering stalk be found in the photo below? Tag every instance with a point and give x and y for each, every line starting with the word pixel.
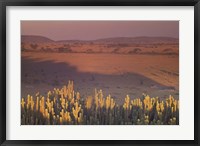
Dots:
pixel 66 106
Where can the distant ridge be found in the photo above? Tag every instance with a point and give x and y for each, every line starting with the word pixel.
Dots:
pixel 139 40
pixel 115 45
pixel 35 39
pixel 126 40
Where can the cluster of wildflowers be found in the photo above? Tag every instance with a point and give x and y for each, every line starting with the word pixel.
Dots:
pixel 66 107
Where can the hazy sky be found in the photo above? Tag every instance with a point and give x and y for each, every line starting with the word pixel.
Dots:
pixel 90 30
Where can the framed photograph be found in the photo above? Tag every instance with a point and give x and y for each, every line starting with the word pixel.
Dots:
pixel 99 72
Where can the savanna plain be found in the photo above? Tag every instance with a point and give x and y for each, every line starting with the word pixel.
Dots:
pixel 113 81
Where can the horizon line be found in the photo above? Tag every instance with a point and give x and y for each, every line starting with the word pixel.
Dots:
pixel 98 38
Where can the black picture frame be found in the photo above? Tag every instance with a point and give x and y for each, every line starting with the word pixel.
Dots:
pixel 5 3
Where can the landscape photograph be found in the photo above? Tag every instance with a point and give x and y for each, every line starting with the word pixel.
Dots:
pixel 99 72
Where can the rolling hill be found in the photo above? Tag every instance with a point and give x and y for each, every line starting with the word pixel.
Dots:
pixel 116 45
pixel 35 39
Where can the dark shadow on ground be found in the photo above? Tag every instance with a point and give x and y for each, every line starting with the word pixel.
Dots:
pixel 45 75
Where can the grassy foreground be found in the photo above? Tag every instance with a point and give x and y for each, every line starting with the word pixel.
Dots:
pixel 67 107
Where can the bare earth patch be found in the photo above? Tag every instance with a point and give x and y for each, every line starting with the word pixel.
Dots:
pixel 115 74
